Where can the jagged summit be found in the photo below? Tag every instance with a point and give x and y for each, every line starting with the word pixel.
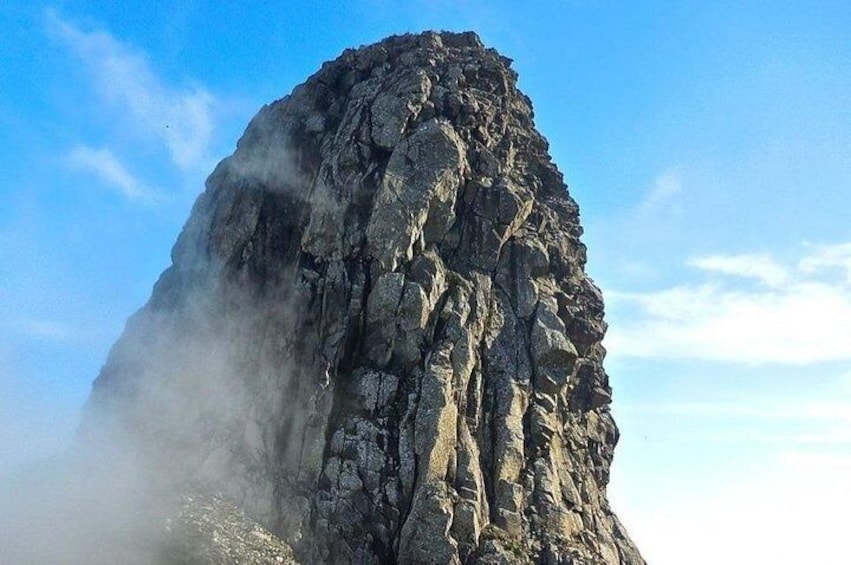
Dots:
pixel 377 337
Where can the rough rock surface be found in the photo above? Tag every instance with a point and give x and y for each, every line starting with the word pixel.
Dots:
pixel 377 336
pixel 208 530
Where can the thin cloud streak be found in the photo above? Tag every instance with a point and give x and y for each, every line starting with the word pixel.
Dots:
pixel 755 409
pixel 46 329
pixel 749 265
pixel 834 463
pixel 802 316
pixel 106 166
pixel 180 118
pixel 829 258
pixel 664 191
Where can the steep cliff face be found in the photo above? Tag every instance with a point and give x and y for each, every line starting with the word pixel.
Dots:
pixel 377 336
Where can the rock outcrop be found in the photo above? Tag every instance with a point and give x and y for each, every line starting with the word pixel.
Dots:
pixel 207 529
pixel 376 336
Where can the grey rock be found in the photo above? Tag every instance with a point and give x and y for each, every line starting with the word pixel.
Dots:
pixel 416 199
pixel 377 337
pixel 208 529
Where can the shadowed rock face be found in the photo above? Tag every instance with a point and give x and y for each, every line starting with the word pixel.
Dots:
pixel 377 336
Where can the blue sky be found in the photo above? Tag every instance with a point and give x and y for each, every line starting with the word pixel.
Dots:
pixel 707 143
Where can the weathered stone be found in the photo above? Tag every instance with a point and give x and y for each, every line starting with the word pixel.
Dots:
pixel 377 336
pixel 417 196
pixel 376 389
pixel 550 345
pixel 208 529
pixel 398 103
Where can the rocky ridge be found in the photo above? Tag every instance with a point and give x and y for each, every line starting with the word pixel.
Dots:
pixel 377 337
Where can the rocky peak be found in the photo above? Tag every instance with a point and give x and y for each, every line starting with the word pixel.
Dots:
pixel 377 337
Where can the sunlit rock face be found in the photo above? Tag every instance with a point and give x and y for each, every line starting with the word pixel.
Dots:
pixel 377 336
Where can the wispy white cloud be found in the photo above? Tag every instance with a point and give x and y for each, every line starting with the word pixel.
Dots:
pixel 664 190
pixel 803 316
pixel 804 461
pixel 646 225
pixel 828 258
pixel 45 329
pixel 179 117
pixel 831 411
pixel 750 265
pixel 106 166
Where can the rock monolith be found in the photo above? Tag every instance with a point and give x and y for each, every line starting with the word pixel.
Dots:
pixel 377 338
